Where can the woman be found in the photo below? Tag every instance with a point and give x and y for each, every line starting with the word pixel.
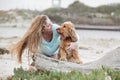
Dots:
pixel 42 36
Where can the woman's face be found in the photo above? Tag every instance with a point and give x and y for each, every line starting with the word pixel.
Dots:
pixel 48 26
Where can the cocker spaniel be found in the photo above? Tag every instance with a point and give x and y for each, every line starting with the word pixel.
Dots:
pixel 67 36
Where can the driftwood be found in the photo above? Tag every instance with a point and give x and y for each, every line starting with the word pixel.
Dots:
pixel 111 59
pixel 3 51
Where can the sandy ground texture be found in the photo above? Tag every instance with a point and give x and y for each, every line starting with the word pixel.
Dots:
pixel 93 46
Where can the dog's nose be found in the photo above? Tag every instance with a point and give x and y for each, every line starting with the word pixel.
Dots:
pixel 58 30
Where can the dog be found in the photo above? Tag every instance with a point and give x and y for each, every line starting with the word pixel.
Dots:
pixel 67 36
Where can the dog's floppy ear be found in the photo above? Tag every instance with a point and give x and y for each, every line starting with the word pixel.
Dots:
pixel 72 34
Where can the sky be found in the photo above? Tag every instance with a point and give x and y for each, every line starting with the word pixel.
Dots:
pixel 44 4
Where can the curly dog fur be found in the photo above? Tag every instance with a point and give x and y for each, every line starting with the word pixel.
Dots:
pixel 67 35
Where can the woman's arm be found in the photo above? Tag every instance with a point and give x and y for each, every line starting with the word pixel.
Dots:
pixel 74 45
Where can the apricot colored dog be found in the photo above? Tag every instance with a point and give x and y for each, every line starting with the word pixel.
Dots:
pixel 67 36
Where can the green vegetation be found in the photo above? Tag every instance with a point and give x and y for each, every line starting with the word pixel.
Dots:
pixel 108 9
pixel 76 12
pixel 97 74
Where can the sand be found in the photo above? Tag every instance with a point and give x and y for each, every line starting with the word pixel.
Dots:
pixel 93 46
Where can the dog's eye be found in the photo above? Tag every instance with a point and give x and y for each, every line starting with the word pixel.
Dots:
pixel 64 26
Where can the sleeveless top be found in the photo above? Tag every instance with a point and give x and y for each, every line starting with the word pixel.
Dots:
pixel 51 48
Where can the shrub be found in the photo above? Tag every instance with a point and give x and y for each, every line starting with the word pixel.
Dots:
pixel 97 74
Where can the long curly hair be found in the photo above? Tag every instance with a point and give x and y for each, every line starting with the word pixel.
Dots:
pixel 31 39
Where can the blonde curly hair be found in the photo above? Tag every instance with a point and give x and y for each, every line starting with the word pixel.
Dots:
pixel 31 39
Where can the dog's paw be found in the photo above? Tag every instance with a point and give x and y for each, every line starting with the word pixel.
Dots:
pixel 63 59
pixel 75 61
pixel 79 62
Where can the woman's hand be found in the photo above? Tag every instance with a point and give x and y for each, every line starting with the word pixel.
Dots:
pixel 73 46
pixel 32 68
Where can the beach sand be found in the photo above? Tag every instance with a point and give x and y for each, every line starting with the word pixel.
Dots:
pixel 93 45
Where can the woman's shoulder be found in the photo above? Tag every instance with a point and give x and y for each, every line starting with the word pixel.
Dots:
pixel 55 26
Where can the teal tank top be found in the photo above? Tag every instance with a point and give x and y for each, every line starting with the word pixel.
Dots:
pixel 51 48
